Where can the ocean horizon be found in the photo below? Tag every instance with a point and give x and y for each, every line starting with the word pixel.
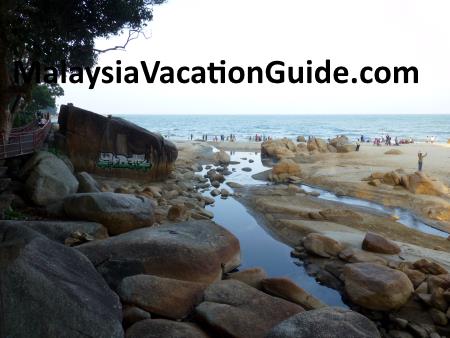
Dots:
pixel 181 127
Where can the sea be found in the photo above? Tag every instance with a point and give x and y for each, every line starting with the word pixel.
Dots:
pixel 181 127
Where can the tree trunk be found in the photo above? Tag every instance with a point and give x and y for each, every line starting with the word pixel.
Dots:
pixel 6 118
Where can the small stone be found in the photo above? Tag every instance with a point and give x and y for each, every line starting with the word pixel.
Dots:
pixel 215 192
pixel 247 169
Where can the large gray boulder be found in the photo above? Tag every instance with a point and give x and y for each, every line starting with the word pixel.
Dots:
pixel 49 290
pixel 113 147
pixel 325 323
pixel 119 213
pixel 48 179
pixel 163 328
pixel 59 231
pixel 197 251
pixel 234 309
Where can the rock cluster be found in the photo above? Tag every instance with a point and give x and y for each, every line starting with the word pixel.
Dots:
pixel 416 183
pixel 411 296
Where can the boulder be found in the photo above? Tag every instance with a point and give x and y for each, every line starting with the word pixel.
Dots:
pixel 163 328
pixel 286 168
pixel 287 289
pixel 234 309
pixel 48 179
pixel 87 183
pixel 317 144
pixel 321 245
pixel 325 323
pixel 377 243
pixel 113 147
pixel 252 277
pixel 376 287
pixel 339 141
pixel 166 297
pixel 221 158
pixel 278 149
pixel 119 213
pixel 197 251
pixel 420 183
pixel 49 290
pixel 59 231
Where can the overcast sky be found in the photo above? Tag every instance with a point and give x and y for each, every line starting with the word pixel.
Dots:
pixel 352 33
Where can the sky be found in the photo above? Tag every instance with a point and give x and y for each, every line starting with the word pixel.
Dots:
pixel 352 33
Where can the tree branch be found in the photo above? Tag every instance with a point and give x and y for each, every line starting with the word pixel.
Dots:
pixel 133 34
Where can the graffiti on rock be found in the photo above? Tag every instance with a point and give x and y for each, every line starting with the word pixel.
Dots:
pixel 116 161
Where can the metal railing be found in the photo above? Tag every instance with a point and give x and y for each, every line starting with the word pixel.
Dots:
pixel 24 140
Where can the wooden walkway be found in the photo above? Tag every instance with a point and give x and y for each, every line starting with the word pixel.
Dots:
pixel 24 140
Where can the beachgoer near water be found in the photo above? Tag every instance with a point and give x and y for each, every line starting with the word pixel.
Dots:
pixel 421 156
pixel 358 145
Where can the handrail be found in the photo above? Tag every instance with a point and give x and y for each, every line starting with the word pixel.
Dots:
pixel 25 141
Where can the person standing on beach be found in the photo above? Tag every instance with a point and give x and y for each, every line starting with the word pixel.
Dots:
pixel 421 156
pixel 357 145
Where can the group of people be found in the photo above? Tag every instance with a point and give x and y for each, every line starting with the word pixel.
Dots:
pixel 387 140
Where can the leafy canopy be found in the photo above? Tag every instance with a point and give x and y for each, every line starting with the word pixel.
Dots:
pixel 52 30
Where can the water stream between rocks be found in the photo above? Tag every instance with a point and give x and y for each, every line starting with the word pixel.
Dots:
pixel 260 249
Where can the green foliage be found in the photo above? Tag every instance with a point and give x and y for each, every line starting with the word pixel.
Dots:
pixel 42 96
pixel 49 31
pixel 14 215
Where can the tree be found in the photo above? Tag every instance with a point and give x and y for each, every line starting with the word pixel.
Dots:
pixel 43 96
pixel 51 31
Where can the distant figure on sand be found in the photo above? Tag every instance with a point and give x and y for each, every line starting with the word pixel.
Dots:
pixel 358 145
pixel 421 156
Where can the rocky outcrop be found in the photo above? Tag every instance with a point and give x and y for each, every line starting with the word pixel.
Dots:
pixel 166 297
pixel 317 144
pixel 416 183
pixel 111 146
pixel 234 309
pixel 48 179
pixel 159 328
pixel 198 251
pixel 284 169
pixel 49 290
pixel 325 323
pixel 377 243
pixel 119 213
pixel 278 149
pixel 376 287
